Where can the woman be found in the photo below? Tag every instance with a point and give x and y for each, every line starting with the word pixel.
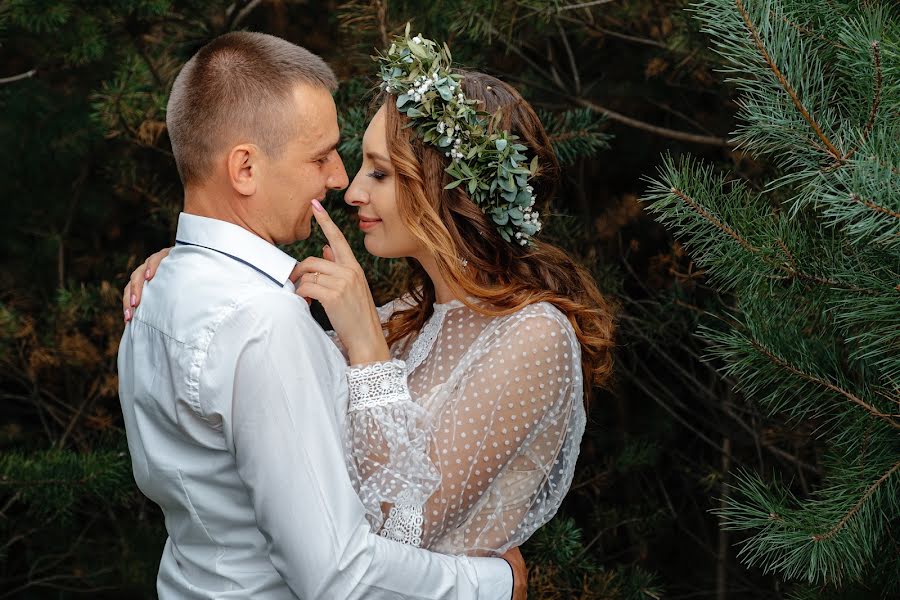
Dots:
pixel 497 332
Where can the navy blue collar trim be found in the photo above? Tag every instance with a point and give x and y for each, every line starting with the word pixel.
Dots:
pixel 240 260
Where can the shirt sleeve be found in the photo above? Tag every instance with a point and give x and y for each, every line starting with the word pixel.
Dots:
pixel 284 431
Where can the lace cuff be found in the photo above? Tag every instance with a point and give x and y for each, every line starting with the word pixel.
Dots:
pixel 377 384
pixel 404 522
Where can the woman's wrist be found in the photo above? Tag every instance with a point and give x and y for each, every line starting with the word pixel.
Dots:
pixel 369 351
pixel 368 345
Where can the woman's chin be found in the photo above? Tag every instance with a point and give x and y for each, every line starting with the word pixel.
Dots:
pixel 372 246
pixel 376 248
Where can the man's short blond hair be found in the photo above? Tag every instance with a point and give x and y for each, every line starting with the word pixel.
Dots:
pixel 238 88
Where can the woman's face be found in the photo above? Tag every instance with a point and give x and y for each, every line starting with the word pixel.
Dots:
pixel 374 193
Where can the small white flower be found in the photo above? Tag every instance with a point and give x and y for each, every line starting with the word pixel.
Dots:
pixel 529 189
pixel 417 40
pixel 523 242
pixel 518 235
pixel 417 97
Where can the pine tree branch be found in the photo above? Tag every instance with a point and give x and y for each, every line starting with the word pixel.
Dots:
pixel 876 99
pixel 876 207
pixel 597 31
pixel 19 77
pixel 780 362
pixel 573 65
pixel 840 524
pixel 723 227
pixel 583 5
pixel 791 270
pixel 782 80
pixel 238 11
pixel 662 131
pixel 807 31
pixel 562 138
pixel 381 13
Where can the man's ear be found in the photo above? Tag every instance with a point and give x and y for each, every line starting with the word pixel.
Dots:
pixel 244 168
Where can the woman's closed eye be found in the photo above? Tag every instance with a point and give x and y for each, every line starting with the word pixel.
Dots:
pixel 377 175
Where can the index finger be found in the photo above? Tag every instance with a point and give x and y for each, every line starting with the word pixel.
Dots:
pixel 342 251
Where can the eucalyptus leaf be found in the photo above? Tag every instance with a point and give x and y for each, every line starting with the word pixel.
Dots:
pixel 418 50
pixel 501 219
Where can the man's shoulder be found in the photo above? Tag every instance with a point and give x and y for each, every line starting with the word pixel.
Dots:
pixel 268 305
pixel 193 295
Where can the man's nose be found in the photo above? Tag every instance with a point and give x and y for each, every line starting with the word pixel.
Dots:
pixel 338 179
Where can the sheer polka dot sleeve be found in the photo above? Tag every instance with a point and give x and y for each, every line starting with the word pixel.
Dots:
pixel 506 435
pixel 386 440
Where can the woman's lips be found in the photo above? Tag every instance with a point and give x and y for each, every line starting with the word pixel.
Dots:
pixel 367 224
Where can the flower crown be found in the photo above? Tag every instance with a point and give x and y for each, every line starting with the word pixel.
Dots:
pixel 491 166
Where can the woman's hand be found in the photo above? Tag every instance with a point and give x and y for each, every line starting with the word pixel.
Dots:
pixel 339 284
pixel 131 296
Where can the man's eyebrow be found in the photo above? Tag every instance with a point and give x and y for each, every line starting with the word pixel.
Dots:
pixel 329 149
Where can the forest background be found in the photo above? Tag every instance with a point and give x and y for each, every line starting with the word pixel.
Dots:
pixel 628 89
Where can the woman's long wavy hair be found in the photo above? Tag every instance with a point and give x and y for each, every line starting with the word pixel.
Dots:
pixel 471 256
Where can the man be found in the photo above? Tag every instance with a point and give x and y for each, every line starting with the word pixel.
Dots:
pixel 233 396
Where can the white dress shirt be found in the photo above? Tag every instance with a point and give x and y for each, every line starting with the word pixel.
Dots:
pixel 234 401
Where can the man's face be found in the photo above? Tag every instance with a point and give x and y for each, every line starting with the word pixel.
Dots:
pixel 307 168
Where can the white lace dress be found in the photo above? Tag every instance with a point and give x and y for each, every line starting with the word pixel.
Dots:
pixel 465 443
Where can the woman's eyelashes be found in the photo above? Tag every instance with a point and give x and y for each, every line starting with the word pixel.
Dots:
pixel 377 175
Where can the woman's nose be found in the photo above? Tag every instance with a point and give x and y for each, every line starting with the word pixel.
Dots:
pixel 356 194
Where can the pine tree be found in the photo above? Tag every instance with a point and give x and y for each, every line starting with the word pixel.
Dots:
pixel 810 258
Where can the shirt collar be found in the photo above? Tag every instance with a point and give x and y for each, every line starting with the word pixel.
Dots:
pixel 235 242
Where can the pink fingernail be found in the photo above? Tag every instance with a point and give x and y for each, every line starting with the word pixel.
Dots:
pixel 317 205
pixel 147 273
pixel 133 299
pixel 127 314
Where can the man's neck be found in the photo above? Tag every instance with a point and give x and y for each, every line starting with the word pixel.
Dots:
pixel 207 203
